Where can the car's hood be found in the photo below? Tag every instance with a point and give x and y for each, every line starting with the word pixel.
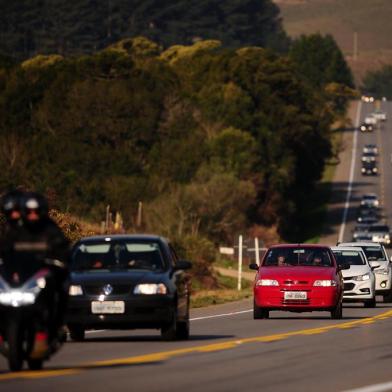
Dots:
pixel 296 273
pixel 356 270
pixel 118 277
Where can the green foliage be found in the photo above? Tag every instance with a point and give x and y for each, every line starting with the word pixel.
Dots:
pixel 211 140
pixel 379 82
pixel 36 27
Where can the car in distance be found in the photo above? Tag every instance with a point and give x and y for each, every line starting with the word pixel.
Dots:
pixel 361 231
pixel 380 115
pixel 367 215
pixel 298 278
pixel 376 255
pixel 359 280
pixel 366 127
pixel 370 148
pixel 380 233
pixel 370 119
pixel 368 157
pixel 370 200
pixel 368 98
pixel 369 168
pixel 128 282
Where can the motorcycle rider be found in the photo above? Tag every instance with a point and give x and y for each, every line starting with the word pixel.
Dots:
pixel 27 242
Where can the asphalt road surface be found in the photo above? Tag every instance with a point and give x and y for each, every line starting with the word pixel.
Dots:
pixel 228 350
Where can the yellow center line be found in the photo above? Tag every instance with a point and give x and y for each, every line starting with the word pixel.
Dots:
pixel 165 355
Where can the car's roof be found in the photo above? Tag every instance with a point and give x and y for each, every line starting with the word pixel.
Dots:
pixel 311 246
pixel 349 248
pixel 369 195
pixel 374 244
pixel 110 237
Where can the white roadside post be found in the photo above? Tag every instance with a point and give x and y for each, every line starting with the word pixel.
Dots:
pixel 257 251
pixel 239 262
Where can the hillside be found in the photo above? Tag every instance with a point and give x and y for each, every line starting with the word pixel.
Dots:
pixel 341 18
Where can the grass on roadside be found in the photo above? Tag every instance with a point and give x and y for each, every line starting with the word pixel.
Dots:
pixel 226 293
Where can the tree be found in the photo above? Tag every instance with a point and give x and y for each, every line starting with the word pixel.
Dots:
pixel 379 82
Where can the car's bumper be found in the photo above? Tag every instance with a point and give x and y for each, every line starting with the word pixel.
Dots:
pixel 358 290
pixel 320 298
pixel 383 283
pixel 139 312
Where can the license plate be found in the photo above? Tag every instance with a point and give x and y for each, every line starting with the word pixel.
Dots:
pixel 300 295
pixel 107 307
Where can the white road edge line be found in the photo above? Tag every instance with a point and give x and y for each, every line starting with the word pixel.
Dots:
pixel 352 169
pixel 387 386
pixel 221 315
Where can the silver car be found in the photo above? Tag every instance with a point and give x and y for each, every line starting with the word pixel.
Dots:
pixel 370 200
pixel 359 280
pixel 375 252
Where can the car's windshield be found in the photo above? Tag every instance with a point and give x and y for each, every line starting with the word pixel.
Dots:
pixel 115 255
pixel 283 257
pixel 373 253
pixel 348 257
pixel 378 228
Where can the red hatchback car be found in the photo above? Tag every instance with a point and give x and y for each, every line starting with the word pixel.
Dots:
pixel 298 278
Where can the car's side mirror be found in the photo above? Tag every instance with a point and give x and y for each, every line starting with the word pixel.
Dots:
pixel 374 265
pixel 390 259
pixel 183 265
pixel 254 266
pixel 342 267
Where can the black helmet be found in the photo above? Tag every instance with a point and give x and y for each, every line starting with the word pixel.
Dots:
pixel 11 205
pixel 34 207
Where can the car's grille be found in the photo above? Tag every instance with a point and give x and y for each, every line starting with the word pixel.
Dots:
pixel 348 286
pixel 295 282
pixel 348 278
pixel 99 289
pixel 296 302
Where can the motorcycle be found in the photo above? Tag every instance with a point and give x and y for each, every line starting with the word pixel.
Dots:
pixel 27 307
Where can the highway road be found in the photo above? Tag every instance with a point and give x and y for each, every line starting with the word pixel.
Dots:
pixel 228 350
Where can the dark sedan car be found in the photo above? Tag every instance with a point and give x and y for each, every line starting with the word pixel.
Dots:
pixel 127 282
pixel 369 168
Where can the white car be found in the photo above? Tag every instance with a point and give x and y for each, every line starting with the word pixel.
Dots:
pixel 379 115
pixel 359 280
pixel 370 148
pixel 370 119
pixel 370 200
pixel 375 253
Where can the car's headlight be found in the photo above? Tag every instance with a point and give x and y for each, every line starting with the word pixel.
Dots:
pixel 375 169
pixel 361 277
pixel 150 288
pixel 75 289
pixel 382 271
pixel 267 282
pixel 324 283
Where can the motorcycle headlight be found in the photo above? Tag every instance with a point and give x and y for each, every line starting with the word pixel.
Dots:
pixel 17 298
pixel 361 277
pixel 324 283
pixel 150 288
pixel 75 290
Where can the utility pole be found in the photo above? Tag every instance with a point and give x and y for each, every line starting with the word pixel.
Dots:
pixel 355 48
pixel 239 263
pixel 257 251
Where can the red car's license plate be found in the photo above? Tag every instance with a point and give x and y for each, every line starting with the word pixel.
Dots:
pixel 299 295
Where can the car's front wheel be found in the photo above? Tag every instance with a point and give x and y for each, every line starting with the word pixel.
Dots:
pixel 77 333
pixel 259 313
pixel 337 312
pixel 176 330
pixel 387 297
pixel 370 303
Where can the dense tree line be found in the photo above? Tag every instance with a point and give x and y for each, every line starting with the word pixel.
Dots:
pixel 379 82
pixel 30 27
pixel 211 140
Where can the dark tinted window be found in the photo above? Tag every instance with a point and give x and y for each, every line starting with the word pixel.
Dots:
pixel 115 255
pixel 284 257
pixel 378 228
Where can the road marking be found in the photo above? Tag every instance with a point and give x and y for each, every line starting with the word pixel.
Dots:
pixel 221 315
pixel 387 386
pixel 165 355
pixel 352 171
